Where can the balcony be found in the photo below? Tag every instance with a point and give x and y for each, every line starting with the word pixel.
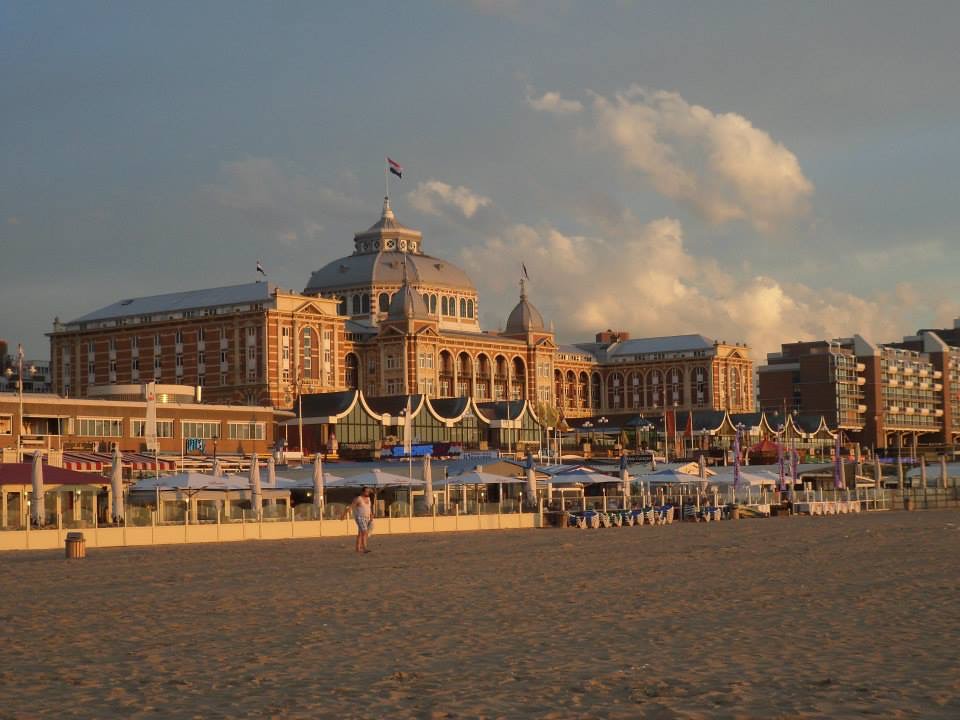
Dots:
pixel 910 411
pixel 924 411
pixel 861 408
pixel 937 374
pixel 863 381
pixel 908 371
pixel 893 369
pixel 924 373
pixel 938 412
pixel 893 410
pixel 908 383
pixel 894 382
pixel 937 387
pixel 861 367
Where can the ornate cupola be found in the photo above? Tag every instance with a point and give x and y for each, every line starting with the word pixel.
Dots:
pixel 387 235
pixel 407 304
pixel 524 318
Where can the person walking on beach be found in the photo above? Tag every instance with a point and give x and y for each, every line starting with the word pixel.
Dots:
pixel 363 515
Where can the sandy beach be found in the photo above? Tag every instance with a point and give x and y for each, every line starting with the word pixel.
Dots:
pixel 795 617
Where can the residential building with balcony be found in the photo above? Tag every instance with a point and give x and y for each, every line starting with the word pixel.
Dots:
pixel 821 377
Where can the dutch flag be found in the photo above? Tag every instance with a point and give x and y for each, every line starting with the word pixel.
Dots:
pixel 260 269
pixel 395 167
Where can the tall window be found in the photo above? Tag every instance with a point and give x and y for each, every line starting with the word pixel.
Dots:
pixel 383 302
pixel 307 352
pixel 356 304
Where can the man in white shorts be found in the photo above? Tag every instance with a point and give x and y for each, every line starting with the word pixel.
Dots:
pixel 363 516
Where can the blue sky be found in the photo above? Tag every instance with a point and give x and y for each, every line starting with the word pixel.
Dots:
pixel 754 171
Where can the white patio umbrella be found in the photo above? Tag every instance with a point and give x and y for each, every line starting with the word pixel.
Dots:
pixel 531 483
pixel 217 470
pixel 37 510
pixel 588 477
pixel 943 471
pixel 377 479
pixel 256 494
pixel 116 486
pixel 877 473
pixel 478 477
pixel 625 479
pixel 271 471
pixel 702 463
pixel 923 472
pixel 427 481
pixel 318 481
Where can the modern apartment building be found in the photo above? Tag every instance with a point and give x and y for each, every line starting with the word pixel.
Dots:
pixel 819 378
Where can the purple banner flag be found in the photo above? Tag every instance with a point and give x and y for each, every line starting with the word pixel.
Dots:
pixel 783 475
pixel 736 461
pixel 837 464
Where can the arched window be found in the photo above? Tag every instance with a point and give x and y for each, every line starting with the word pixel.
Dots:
pixel 675 378
pixel 701 392
pixel 356 305
pixel 342 306
pixel 452 306
pixel 433 304
pixel 615 390
pixel 470 309
pixel 596 391
pixel 426 301
pixel 463 307
pixel 655 389
pixel 307 352
pixel 365 303
pixel 383 302
pixel 558 388
pixel 352 365
pixel 584 390
pixel 634 388
pixel 443 305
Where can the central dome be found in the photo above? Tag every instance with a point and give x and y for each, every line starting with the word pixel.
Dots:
pixel 379 252
pixel 367 281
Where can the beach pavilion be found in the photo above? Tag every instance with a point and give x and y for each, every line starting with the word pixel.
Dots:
pixel 78 498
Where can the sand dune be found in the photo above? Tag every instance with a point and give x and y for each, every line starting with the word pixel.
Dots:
pixel 797 617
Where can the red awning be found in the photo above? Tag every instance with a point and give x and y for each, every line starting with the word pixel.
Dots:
pixel 22 474
pixel 82 462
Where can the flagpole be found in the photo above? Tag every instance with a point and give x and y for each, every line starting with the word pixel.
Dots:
pixel 386 180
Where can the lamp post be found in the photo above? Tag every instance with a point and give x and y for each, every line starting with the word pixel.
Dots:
pixel 298 386
pixel 9 373
pixel 602 421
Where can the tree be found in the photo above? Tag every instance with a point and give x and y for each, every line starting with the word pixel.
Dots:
pixel 548 415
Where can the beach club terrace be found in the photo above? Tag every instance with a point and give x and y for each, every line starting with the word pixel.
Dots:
pixel 361 427
pixel 695 432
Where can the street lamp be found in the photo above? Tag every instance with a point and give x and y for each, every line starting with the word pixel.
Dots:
pixel 9 373
pixel 298 385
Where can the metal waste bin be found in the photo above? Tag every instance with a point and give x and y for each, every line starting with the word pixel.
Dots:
pixel 76 546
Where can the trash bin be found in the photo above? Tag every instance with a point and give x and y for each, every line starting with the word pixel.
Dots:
pixel 76 546
pixel 734 512
pixel 908 503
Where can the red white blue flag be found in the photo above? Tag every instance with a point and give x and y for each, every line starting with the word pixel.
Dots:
pixel 395 167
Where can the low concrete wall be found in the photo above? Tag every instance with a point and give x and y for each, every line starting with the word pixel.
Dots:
pixel 278 530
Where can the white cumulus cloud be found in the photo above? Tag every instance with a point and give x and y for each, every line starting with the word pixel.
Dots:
pixel 642 278
pixel 435 197
pixel 552 102
pixel 720 164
